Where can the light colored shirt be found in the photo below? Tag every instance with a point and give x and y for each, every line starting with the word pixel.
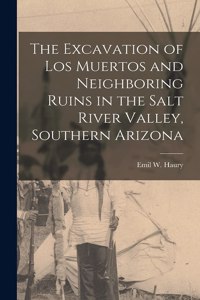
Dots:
pixel 83 198
pixel 21 214
pixel 55 218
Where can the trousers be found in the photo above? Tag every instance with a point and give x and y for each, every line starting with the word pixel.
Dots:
pixel 92 261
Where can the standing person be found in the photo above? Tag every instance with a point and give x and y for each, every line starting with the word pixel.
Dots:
pixel 92 203
pixel 22 217
pixel 57 224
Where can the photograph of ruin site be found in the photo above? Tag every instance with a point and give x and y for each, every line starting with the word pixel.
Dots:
pixel 101 239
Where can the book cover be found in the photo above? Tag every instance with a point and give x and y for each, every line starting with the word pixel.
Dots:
pixel 108 141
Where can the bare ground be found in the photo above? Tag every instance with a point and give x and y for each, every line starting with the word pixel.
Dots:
pixel 45 290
